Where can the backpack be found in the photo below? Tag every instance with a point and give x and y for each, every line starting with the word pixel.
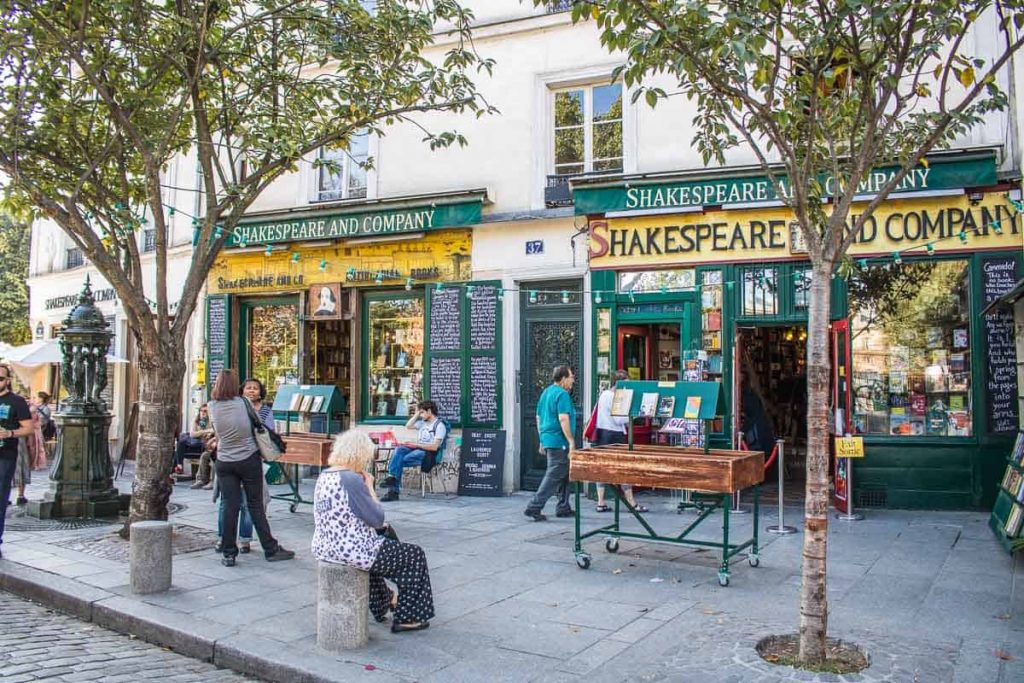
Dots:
pixel 431 457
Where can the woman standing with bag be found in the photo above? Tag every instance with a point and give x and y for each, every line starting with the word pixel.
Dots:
pixel 611 429
pixel 239 466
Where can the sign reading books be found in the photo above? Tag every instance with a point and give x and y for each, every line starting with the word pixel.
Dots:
pixel 216 336
pixel 464 368
pixel 999 275
pixel 482 462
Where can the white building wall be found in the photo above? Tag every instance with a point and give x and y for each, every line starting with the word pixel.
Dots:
pixel 509 153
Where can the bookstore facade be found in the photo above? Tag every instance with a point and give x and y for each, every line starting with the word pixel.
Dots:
pixel 718 290
pixel 373 299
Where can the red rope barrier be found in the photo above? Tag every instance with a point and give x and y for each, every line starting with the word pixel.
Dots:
pixel 771 458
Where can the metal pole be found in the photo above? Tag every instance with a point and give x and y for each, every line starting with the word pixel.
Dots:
pixel 850 515
pixel 781 528
pixel 736 509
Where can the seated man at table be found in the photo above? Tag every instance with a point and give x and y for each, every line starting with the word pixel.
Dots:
pixel 424 452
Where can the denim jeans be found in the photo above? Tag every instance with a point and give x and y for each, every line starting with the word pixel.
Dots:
pixel 244 520
pixel 7 467
pixel 234 476
pixel 404 457
pixel 555 481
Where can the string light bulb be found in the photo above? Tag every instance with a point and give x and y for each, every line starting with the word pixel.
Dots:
pixel 930 248
pixel 597 297
pixel 469 291
pixel 632 299
pixel 408 284
pixel 565 296
pixel 862 264
pixel 295 257
pixel 243 244
pixel 501 293
pixel 270 250
pixel 323 264
pixel 350 274
pixel 963 237
pixel 532 296
pixel 997 227
pixel 439 286
pixel 896 258
pixel 379 278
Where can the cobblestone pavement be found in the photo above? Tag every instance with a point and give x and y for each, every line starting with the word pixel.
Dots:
pixel 37 644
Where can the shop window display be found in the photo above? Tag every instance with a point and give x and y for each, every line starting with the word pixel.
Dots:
pixel 655 281
pixel 274 345
pixel 760 291
pixel 911 347
pixel 395 378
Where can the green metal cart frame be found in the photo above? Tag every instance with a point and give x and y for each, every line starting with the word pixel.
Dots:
pixel 704 503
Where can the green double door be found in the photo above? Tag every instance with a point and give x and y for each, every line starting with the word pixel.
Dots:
pixel 270 343
pixel 552 335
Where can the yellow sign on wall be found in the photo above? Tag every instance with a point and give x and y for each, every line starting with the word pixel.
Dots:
pixel 439 256
pixel 949 224
pixel 849 447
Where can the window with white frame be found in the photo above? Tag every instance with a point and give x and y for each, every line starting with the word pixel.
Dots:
pixel 73 258
pixel 341 173
pixel 588 129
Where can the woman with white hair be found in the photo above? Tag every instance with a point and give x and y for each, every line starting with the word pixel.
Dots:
pixel 348 522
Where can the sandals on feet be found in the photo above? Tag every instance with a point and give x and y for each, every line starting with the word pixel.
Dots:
pixel 603 508
pixel 640 508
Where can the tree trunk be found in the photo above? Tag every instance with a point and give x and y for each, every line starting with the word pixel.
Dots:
pixel 813 597
pixel 161 369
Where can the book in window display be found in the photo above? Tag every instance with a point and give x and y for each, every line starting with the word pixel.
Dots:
pixel 666 406
pixel 622 400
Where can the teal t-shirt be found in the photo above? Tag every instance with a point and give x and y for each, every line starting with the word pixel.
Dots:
pixel 553 402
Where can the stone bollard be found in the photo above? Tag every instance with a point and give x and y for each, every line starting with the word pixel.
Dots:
pixel 150 557
pixel 342 607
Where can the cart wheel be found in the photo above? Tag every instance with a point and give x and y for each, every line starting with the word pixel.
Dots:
pixel 293 507
pixel 612 545
pixel 583 561
pixel 754 559
pixel 723 579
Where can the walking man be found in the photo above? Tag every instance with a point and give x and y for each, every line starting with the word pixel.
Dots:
pixel 15 423
pixel 556 425
pixel 424 452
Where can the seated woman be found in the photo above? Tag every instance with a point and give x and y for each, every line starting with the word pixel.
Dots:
pixel 192 443
pixel 348 521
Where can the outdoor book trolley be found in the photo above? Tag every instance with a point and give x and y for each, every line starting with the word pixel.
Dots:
pixel 311 410
pixel 714 475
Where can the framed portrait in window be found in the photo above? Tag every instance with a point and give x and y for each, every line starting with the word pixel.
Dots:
pixel 324 302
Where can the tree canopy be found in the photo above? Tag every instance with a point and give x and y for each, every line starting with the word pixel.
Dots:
pixel 14 247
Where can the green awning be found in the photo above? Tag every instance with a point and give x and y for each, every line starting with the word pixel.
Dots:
pixel 597 195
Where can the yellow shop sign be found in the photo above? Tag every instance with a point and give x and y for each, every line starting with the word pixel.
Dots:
pixel 438 256
pixel 947 223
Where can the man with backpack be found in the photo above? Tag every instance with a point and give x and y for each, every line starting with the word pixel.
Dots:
pixel 426 451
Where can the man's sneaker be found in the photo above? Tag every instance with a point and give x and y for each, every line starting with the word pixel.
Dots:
pixel 536 516
pixel 565 513
pixel 198 484
pixel 389 497
pixel 280 554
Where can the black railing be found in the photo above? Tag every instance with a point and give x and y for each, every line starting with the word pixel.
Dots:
pixel 74 258
pixel 559 6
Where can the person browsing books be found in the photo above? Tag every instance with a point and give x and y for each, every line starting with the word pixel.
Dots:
pixel 556 427
pixel 611 429
pixel 422 452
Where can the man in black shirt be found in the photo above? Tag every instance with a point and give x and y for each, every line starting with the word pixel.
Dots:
pixel 15 423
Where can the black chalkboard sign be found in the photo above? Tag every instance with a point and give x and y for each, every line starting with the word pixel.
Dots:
pixel 216 336
pixel 483 319
pixel 446 320
pixel 483 389
pixel 446 387
pixel 999 275
pixel 482 463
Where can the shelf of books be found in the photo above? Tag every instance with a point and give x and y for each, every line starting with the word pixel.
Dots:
pixel 711 326
pixel 329 354
pixel 1007 516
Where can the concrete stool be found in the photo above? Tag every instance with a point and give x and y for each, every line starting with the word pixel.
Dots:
pixel 149 562
pixel 342 607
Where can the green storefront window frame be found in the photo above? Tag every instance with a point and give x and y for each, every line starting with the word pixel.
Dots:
pixel 245 306
pixel 364 360
pixel 979 351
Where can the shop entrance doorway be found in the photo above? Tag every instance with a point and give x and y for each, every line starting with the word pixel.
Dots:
pixel 772 390
pixel 650 352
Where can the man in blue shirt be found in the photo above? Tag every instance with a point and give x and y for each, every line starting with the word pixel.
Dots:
pixel 556 425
